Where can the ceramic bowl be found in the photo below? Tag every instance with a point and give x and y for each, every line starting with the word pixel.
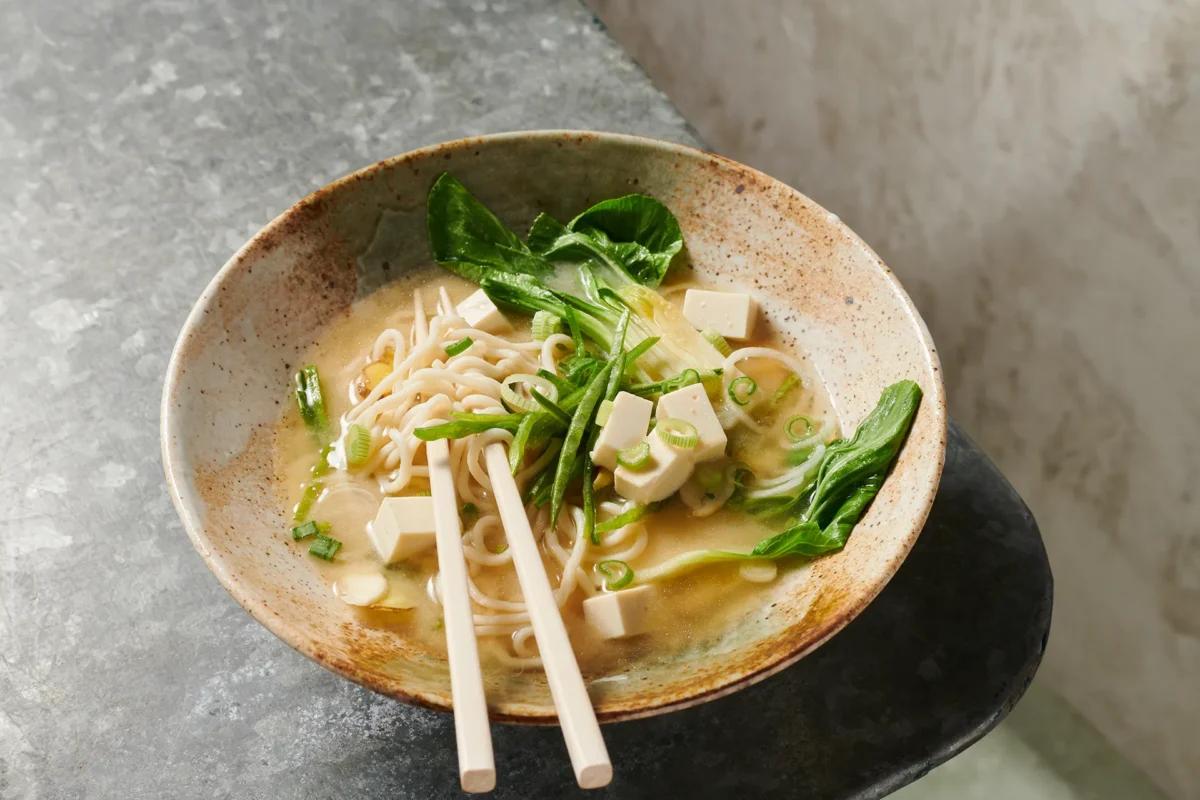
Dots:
pixel 819 284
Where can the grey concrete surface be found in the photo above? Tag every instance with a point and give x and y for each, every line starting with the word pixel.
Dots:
pixel 140 144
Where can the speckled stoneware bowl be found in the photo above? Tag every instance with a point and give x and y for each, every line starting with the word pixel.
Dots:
pixel 818 282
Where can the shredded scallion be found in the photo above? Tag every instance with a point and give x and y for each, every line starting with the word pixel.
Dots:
pixel 789 383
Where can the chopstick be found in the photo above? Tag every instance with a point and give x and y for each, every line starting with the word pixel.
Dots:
pixel 476 763
pixel 585 744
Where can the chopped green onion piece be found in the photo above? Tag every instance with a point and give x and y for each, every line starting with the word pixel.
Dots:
pixel 791 428
pixel 470 510
pixel 634 457
pixel 678 433
pixel 602 413
pixel 785 388
pixel 358 445
pixel 710 477
pixel 741 389
pixel 499 548
pixel 305 530
pixel 621 520
pixel 545 325
pixel 616 574
pixel 717 341
pixel 515 400
pixel 310 400
pixel 462 344
pixel 322 465
pixel 324 547
pixel 311 492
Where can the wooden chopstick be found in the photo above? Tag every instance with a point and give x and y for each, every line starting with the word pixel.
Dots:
pixel 585 744
pixel 476 763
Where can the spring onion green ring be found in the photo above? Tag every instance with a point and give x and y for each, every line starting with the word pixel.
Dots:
pixel 635 457
pixel 789 428
pixel 358 445
pixel 545 325
pixel 678 433
pixel 519 402
pixel 789 383
pixel 616 574
pixel 741 389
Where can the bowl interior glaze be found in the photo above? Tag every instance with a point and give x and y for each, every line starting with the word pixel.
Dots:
pixel 832 297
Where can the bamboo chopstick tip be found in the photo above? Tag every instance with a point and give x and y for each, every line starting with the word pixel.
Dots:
pixel 478 780
pixel 594 776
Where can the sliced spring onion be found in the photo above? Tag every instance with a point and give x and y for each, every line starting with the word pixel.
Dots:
pixel 717 341
pixel 305 530
pixel 515 400
pixel 616 574
pixel 498 548
pixel 621 520
pixel 310 400
pixel 794 430
pixel 678 433
pixel 789 383
pixel 741 389
pixel 358 445
pixel 603 412
pixel 454 348
pixel 325 547
pixel 311 492
pixel 545 325
pixel 635 457
pixel 469 510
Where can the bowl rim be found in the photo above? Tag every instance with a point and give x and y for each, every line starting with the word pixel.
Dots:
pixel 174 464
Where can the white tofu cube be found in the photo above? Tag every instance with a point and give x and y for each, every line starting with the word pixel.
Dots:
pixel 669 468
pixel 691 404
pixel 480 312
pixel 619 614
pixel 403 527
pixel 730 314
pixel 627 424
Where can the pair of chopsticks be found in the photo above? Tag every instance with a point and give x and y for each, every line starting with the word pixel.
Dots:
pixel 476 763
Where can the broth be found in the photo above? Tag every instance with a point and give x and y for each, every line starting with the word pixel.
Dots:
pixel 699 606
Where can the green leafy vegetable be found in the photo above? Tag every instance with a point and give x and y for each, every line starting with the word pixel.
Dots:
pixel 588 491
pixel 469 240
pixel 851 473
pixel 635 237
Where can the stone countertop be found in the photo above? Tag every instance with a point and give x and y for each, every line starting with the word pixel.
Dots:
pixel 140 145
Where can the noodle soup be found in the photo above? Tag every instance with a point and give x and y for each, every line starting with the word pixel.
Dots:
pixel 668 473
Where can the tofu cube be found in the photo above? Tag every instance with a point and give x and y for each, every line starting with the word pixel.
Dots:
pixel 403 527
pixel 480 312
pixel 669 469
pixel 619 614
pixel 730 314
pixel 691 404
pixel 627 424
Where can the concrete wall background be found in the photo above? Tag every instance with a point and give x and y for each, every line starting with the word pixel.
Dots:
pixel 1031 170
